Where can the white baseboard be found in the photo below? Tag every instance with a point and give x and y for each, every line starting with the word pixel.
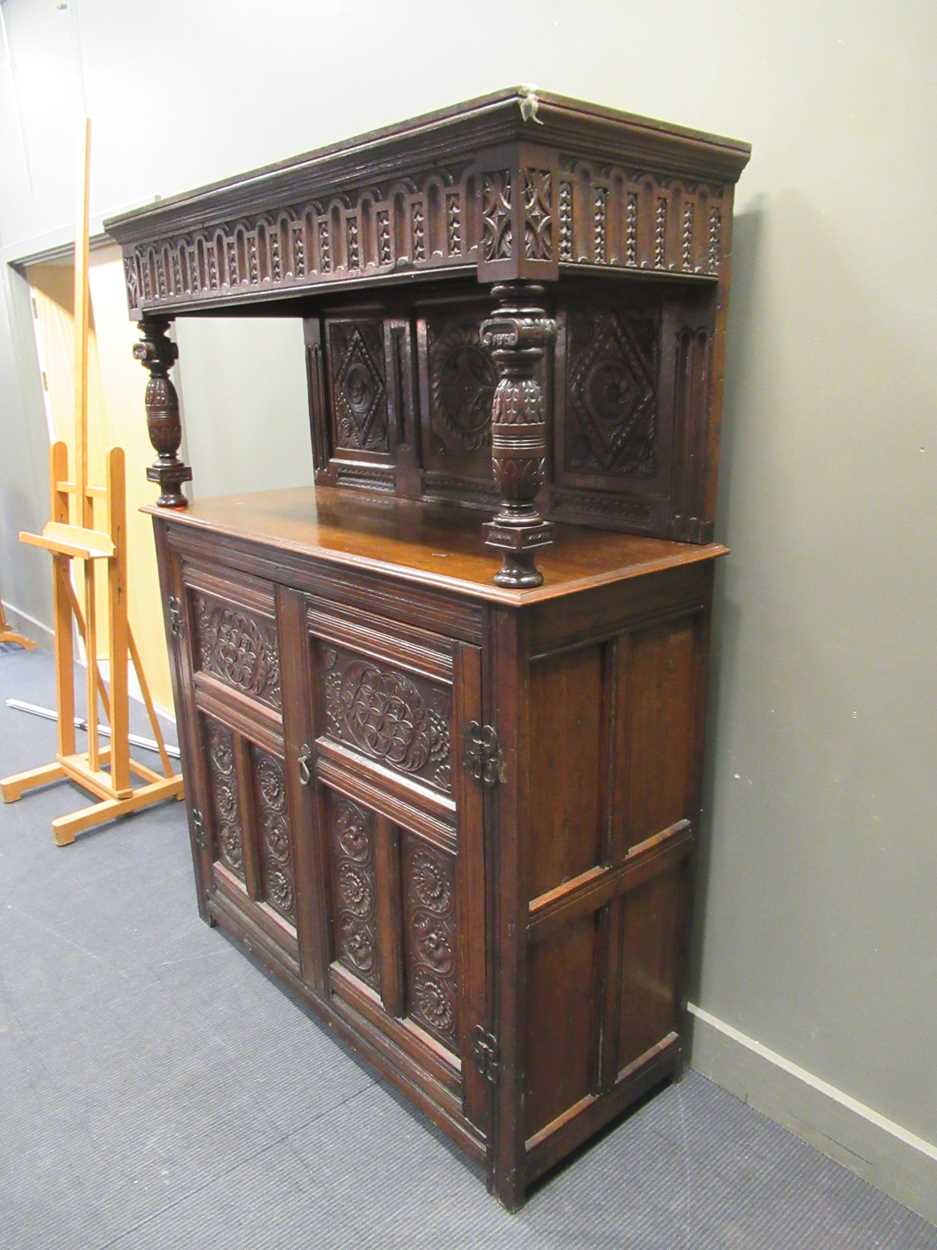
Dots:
pixel 133 684
pixel 884 1153
pixel 133 688
pixel 12 609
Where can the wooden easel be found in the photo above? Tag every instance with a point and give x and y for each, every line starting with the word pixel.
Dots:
pixel 104 771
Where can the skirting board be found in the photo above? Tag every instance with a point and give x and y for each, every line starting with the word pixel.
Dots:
pixel 882 1152
pixel 29 625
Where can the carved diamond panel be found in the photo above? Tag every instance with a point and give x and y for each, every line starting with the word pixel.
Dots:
pixel 359 392
pixel 354 889
pixel 611 424
pixel 276 852
pixel 432 981
pixel 239 648
pixel 391 716
pixel 224 795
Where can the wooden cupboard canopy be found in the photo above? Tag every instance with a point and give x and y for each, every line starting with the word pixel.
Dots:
pixel 517 184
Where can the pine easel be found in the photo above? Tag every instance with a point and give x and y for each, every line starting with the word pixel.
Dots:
pixel 103 771
pixel 10 635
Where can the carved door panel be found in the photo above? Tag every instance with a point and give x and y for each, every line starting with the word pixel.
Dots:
pixel 245 833
pixel 226 649
pixel 399 840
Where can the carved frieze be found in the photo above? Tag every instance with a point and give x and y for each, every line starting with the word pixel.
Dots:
pixel 371 229
pixel 354 890
pixel 605 214
pixel 497 235
pixel 276 855
pixel 635 219
pixel 239 648
pixel 431 941
pixel 611 418
pixel 538 214
pixel 401 721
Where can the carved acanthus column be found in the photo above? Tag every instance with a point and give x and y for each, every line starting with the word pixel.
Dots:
pixel 517 337
pixel 158 354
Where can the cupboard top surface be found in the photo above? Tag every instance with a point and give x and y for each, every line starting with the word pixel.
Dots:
pixel 427 544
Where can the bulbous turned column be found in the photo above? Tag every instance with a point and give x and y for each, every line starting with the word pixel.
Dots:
pixel 158 354
pixel 517 336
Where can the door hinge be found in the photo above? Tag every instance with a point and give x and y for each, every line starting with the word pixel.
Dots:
pixel 483 755
pixel 175 616
pixel 485 1053
pixel 198 829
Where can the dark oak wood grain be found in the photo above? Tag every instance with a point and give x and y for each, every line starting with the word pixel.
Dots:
pixel 453 806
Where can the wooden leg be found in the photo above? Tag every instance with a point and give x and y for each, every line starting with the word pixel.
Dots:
pixel 65 829
pixel 20 640
pixel 91 647
pixel 117 622
pixel 13 787
pixel 64 654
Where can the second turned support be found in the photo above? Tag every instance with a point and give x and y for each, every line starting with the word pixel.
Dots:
pixel 517 336
pixel 158 354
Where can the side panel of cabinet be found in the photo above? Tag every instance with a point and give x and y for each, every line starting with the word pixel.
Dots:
pixel 605 859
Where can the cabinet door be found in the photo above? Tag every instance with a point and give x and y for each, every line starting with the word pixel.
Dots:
pixel 246 831
pixel 225 651
pixel 375 713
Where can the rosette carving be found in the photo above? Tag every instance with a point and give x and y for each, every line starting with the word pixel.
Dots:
pixel 432 974
pixel 240 649
pixel 276 854
pixel 353 884
pixel 223 782
pixel 383 713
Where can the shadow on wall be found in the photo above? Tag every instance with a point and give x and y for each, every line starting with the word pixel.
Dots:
pixel 726 620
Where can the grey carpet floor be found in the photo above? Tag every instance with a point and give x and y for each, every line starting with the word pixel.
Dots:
pixel 158 1092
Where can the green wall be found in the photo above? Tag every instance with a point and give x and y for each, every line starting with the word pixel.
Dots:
pixel 816 930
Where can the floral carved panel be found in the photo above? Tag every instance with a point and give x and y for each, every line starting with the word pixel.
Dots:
pixel 462 380
pixel 397 718
pixel 354 889
pixel 238 647
pixel 226 809
pixel 273 834
pixel 432 980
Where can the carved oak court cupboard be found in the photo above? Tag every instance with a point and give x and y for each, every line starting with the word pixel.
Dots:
pixel 443 777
